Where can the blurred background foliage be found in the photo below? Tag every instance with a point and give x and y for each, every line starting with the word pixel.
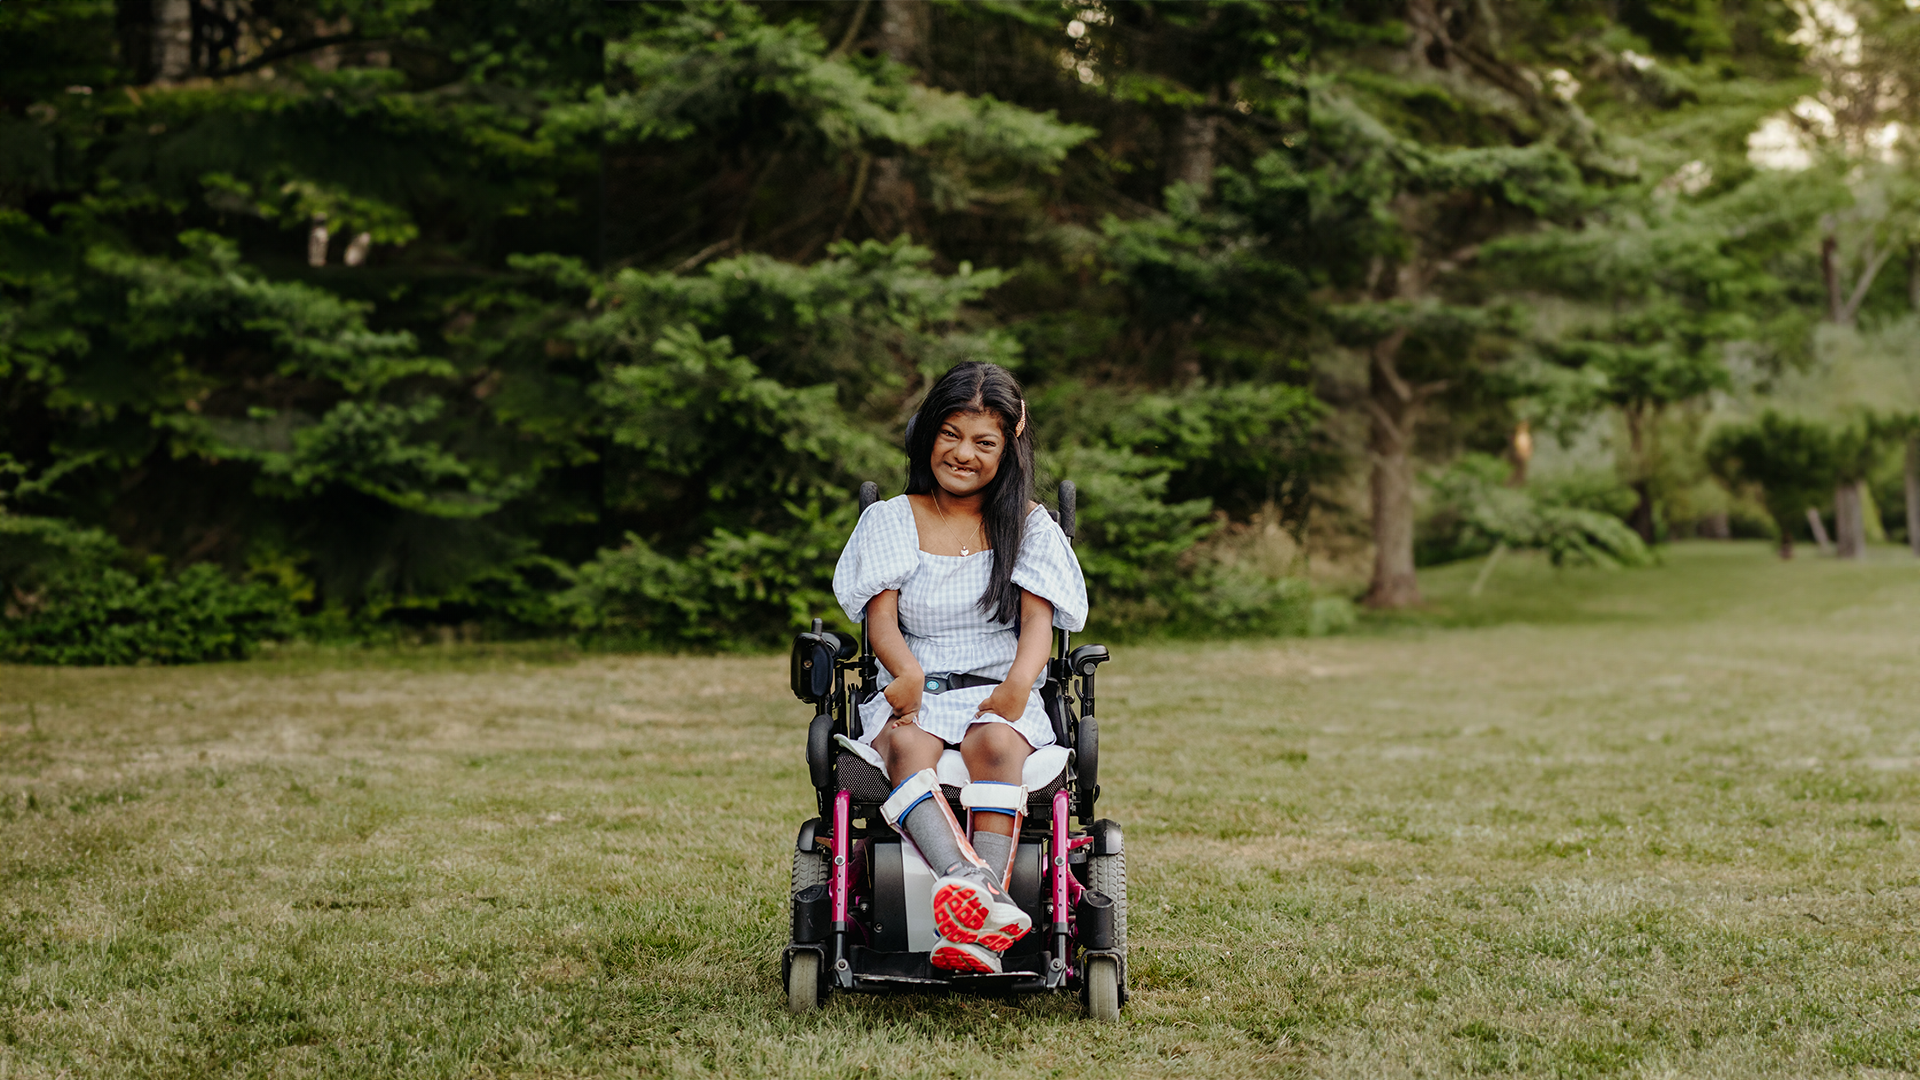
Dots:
pixel 361 319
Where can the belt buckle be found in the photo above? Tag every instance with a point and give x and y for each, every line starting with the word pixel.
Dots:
pixel 938 682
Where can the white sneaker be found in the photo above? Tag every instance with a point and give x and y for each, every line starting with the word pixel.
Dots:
pixel 970 908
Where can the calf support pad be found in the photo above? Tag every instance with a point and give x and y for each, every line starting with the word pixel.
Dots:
pixel 995 796
pixel 920 785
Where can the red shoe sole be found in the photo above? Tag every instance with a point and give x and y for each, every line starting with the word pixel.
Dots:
pixel 958 913
pixel 959 960
pixel 1002 939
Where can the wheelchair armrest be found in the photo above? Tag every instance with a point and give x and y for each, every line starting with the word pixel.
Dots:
pixel 1084 659
pixel 812 667
pixel 815 652
pixel 845 646
pixel 820 752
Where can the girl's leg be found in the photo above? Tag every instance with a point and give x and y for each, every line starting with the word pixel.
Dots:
pixel 994 751
pixel 906 750
pixel 995 754
pixel 916 807
pixel 974 915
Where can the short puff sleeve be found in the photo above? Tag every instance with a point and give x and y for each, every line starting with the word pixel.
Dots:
pixel 882 554
pixel 1048 569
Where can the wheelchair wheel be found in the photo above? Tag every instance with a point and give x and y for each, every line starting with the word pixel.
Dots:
pixel 1103 983
pixel 803 982
pixel 1102 989
pixel 1108 874
pixel 809 869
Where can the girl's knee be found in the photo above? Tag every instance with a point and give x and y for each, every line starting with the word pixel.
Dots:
pixel 994 745
pixel 907 750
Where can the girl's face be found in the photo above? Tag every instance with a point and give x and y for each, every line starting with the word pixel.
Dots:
pixel 966 452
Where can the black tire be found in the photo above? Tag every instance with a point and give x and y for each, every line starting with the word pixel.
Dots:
pixel 803 969
pixel 809 869
pixel 1102 989
pixel 803 982
pixel 1108 874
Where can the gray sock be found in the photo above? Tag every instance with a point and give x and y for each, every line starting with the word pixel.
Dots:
pixel 933 834
pixel 995 849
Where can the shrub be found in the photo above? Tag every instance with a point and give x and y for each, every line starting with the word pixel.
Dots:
pixel 1792 464
pixel 1473 512
pixel 109 616
pixel 735 590
pixel 1331 615
pixel 72 595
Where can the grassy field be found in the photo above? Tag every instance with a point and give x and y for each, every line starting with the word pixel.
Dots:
pixel 1645 823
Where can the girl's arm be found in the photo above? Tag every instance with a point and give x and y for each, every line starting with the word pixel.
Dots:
pixel 890 645
pixel 1009 699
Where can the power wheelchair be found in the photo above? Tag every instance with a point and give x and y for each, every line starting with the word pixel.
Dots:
pixel 862 899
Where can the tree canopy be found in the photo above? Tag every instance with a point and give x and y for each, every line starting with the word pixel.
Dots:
pixel 565 315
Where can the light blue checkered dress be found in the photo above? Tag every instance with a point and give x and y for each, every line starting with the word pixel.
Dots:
pixel 941 617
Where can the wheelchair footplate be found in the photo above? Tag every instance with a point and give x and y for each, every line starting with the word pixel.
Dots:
pixel 875 970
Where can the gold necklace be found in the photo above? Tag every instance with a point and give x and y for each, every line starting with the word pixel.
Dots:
pixel 949 526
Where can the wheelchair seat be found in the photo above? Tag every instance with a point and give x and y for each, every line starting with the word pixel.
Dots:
pixel 1044 773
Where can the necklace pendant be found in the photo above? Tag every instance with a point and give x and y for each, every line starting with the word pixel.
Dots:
pixel 963 550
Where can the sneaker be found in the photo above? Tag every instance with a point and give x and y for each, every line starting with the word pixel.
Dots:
pixel 969 907
pixel 960 956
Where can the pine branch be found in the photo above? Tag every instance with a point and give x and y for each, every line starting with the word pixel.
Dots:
pixel 1875 260
pixel 290 50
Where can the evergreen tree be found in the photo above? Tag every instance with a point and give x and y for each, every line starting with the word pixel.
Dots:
pixel 435 311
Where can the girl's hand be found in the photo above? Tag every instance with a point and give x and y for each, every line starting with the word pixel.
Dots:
pixel 1008 701
pixel 904 695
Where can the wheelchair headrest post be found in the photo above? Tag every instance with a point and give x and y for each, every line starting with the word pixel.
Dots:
pixel 1069 508
pixel 869 494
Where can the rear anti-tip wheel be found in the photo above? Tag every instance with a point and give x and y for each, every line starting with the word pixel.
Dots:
pixel 1103 989
pixel 803 982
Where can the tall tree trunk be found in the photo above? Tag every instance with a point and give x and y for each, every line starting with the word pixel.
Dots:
pixel 1913 493
pixel 1520 443
pixel 1394 410
pixel 1913 277
pixel 172 40
pixel 1830 275
pixel 1819 530
pixel 891 200
pixel 903 30
pixel 1642 518
pixel 1430 40
pixel 1192 144
pixel 1850 520
pixel 1641 521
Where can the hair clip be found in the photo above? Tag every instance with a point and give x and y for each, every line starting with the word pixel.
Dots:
pixel 1021 427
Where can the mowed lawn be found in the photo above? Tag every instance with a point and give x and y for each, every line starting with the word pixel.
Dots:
pixel 1657 822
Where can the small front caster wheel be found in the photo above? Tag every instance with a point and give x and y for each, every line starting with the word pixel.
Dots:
pixel 803 982
pixel 1103 989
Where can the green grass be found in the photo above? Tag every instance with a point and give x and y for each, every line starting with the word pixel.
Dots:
pixel 1645 823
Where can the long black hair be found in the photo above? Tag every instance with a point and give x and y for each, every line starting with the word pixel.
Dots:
pixel 979 387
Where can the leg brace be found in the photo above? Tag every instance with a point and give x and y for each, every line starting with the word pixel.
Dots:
pixel 996 797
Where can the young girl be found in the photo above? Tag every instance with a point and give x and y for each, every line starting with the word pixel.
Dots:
pixel 961 581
